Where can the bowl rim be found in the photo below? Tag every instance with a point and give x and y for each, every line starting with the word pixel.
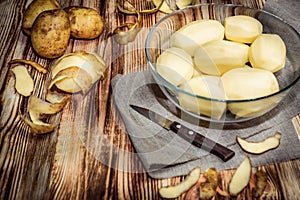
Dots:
pixel 168 84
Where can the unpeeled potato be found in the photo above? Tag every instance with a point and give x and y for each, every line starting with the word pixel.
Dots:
pixel 50 33
pixel 242 28
pixel 197 33
pixel 268 52
pixel 175 65
pixel 206 86
pixel 217 57
pixel 86 23
pixel 34 9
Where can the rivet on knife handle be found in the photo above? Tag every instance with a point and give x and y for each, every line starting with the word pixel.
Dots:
pixel 202 142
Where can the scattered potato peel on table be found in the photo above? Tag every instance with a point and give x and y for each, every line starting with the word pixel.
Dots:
pixel 261 182
pixel 71 73
pixel 262 146
pixel 133 11
pixel 34 64
pixel 176 190
pixel 39 128
pixel 209 187
pixel 37 107
pixel 72 80
pixel 168 6
pixel 241 177
pixel 77 71
pixel 127 32
pixel 24 83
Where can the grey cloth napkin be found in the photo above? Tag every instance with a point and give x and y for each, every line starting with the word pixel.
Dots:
pixel 164 154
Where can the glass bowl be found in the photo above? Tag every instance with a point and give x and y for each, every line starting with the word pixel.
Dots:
pixel 158 40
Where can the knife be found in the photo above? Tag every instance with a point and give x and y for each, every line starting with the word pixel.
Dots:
pixel 188 134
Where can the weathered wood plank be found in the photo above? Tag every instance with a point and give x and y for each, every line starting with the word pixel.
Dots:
pixel 90 155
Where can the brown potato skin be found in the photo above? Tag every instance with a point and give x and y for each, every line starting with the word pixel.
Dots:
pixel 34 9
pixel 50 33
pixel 86 23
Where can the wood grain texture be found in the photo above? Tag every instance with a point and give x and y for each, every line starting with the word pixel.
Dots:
pixel 90 155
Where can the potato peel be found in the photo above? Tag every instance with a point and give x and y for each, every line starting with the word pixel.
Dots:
pixel 72 80
pixel 169 6
pixel 54 97
pixel 125 36
pixel 241 177
pixel 77 71
pixel 146 11
pixel 24 83
pixel 34 64
pixel 43 107
pixel 260 147
pixel 208 188
pixel 39 128
pixel 261 183
pixel 176 190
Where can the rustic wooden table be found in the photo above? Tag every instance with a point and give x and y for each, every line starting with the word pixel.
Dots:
pixel 59 165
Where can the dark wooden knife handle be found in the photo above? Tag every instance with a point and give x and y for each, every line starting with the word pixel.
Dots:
pixel 202 142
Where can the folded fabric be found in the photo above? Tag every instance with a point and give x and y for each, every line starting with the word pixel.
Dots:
pixel 164 154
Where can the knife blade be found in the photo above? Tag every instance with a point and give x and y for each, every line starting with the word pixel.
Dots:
pixel 188 134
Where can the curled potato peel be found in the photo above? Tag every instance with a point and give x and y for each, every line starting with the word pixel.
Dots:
pixel 260 147
pixel 37 107
pixel 127 32
pixel 176 190
pixel 77 71
pixel 34 64
pixel 133 11
pixel 72 80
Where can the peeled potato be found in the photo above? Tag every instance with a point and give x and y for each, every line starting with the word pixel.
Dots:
pixel 175 65
pixel 248 83
pixel 197 33
pixel 215 58
pixel 207 86
pixel 242 28
pixel 268 52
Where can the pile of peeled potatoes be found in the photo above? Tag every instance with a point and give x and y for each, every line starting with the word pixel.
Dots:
pixel 230 61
